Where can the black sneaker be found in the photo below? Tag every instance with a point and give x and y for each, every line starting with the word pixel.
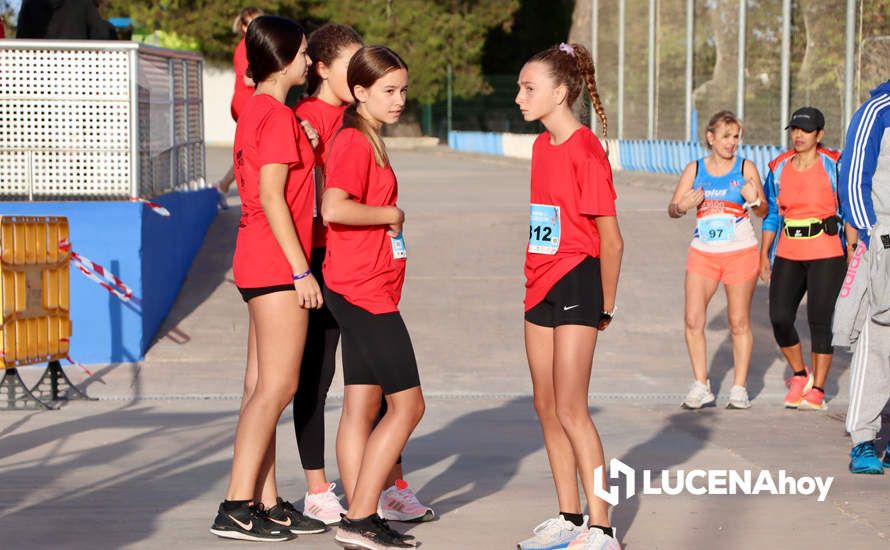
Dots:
pixel 244 522
pixel 404 537
pixel 285 515
pixel 370 533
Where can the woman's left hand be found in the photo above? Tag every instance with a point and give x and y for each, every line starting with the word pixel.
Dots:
pixel 749 191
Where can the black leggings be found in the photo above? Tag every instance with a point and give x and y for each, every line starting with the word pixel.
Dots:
pixel 316 374
pixel 821 280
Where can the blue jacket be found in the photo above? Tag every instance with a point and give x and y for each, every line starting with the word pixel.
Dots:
pixel 774 221
pixel 861 159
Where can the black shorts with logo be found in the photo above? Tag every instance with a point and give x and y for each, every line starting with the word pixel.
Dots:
pixel 576 299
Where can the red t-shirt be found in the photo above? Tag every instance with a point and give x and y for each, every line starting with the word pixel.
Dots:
pixel 576 177
pixel 242 91
pixel 359 264
pixel 268 133
pixel 326 119
pixel 804 195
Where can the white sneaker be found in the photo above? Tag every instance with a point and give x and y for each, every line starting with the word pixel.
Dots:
pixel 325 507
pixel 738 398
pixel 399 503
pixel 699 396
pixel 553 533
pixel 595 539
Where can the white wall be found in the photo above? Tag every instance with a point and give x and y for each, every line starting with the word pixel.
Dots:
pixel 219 128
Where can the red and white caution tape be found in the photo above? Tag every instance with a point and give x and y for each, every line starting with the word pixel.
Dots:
pixel 99 274
pixel 157 208
pixel 76 364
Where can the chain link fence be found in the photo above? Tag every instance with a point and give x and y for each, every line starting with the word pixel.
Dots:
pixel 816 64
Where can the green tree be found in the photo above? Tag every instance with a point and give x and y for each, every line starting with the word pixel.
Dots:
pixel 428 34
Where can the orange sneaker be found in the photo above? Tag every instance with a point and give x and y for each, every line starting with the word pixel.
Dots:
pixel 798 386
pixel 814 400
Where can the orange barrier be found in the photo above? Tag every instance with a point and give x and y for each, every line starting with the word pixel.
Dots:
pixel 34 304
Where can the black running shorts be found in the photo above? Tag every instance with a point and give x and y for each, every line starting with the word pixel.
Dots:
pixel 576 299
pixel 376 348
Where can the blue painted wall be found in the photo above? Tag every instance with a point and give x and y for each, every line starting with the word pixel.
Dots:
pixel 655 156
pixel 149 253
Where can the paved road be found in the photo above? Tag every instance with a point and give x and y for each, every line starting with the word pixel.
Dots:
pixel 145 466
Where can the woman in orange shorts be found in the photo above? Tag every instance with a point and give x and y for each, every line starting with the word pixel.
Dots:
pixel 723 188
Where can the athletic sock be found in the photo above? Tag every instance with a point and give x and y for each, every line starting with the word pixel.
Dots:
pixel 576 519
pixel 607 530
pixel 818 388
pixel 318 489
pixel 800 373
pixel 231 505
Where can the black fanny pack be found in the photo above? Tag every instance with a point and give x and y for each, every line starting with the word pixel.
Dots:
pixel 829 226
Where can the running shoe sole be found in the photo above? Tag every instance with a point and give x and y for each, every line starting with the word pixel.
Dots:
pixel 711 403
pixel 298 531
pixel 807 406
pixel 238 535
pixel 734 407
pixel 359 544
pixel 873 471
pixel 555 547
pixel 428 516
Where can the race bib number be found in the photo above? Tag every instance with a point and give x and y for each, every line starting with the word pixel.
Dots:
pixel 543 229
pixel 715 229
pixel 399 252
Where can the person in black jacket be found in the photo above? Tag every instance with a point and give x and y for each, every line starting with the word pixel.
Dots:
pixel 64 20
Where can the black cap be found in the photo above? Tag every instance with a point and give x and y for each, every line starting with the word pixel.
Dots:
pixel 808 119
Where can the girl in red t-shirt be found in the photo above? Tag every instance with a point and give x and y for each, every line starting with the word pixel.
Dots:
pixel 273 166
pixel 244 88
pixel 572 264
pixel 330 47
pixel 364 270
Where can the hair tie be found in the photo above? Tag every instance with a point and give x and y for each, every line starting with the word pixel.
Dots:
pixel 567 48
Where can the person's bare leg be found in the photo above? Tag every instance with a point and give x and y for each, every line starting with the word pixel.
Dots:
pixel 738 313
pixel 361 404
pixel 280 328
pixel 539 350
pixel 225 183
pixel 572 363
pixel 794 356
pixel 405 409
pixel 821 366
pixel 699 291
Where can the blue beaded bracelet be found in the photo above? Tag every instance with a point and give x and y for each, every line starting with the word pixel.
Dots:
pixel 303 275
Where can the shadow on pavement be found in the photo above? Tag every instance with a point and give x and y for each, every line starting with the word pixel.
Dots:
pixel 117 510
pixel 485 448
pixel 683 435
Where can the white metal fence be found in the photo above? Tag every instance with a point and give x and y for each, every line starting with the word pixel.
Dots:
pixel 98 120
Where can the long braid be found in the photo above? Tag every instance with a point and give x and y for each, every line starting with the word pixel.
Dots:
pixel 588 72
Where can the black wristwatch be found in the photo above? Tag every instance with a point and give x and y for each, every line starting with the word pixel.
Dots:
pixel 608 315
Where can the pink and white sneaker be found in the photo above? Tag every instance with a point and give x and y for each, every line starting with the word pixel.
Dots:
pixel 324 506
pixel 594 538
pixel 399 503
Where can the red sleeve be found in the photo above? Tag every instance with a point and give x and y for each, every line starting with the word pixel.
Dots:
pixel 349 163
pixel 277 143
pixel 597 191
pixel 239 60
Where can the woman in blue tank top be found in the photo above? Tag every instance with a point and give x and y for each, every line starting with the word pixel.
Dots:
pixel 723 188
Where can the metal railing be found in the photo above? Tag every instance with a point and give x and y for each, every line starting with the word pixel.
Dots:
pixel 98 120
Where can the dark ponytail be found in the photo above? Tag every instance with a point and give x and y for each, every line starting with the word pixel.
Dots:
pixel 272 44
